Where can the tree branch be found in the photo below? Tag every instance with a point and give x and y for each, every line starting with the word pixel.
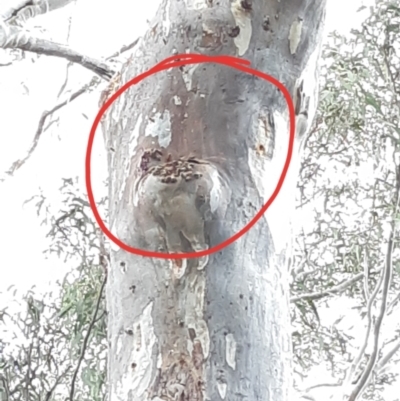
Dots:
pixel 17 164
pixel 51 391
pixel 24 10
pixel 12 37
pixel 8 13
pixel 86 340
pixel 94 82
pixel 393 303
pixel 386 277
pixel 336 289
pixel 385 359
pixel 357 360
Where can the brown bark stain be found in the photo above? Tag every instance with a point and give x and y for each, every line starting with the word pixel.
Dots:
pixel 181 376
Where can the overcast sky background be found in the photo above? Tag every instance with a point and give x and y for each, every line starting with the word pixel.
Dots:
pixel 28 87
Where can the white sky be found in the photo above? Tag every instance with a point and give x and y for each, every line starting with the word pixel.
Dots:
pixel 30 86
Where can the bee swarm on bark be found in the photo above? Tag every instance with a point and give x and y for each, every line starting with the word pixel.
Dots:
pixel 170 171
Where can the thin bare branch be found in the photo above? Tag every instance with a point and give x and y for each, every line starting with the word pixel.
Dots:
pixel 366 275
pixel 357 360
pixel 334 290
pixel 41 126
pixel 124 49
pixel 386 358
pixel 17 164
pixel 5 386
pixel 393 303
pixel 86 339
pixel 386 277
pixel 63 86
pixel 104 256
pixel 12 37
pixel 51 391
pixel 323 385
pixel 389 67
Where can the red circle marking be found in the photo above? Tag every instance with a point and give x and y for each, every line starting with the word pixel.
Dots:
pixel 176 61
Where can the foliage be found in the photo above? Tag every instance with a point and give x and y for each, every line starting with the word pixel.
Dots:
pixel 349 184
pixel 62 336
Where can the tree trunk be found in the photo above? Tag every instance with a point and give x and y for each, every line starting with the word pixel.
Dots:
pixel 194 153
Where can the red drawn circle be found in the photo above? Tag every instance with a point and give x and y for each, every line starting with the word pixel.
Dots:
pixel 176 61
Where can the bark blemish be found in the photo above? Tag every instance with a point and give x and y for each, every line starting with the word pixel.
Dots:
pixel 216 192
pixel 194 319
pixel 265 136
pixel 234 32
pixel 187 75
pixel 119 345
pixel 243 21
pixel 230 350
pixel 138 338
pixel 138 374
pixel 196 322
pixel 221 388
pixel 178 267
pixel 196 4
pixel 266 23
pixel 260 149
pixel 209 37
pixel 246 4
pixel 197 354
pixel 295 35
pixel 123 268
pixel 177 100
pixel 207 30
pixel 160 127
pixel 166 22
pixel 182 380
pixel 180 373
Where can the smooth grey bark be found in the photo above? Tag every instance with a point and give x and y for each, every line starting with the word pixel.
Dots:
pixel 194 152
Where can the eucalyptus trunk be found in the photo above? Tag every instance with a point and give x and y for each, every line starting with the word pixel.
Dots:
pixel 194 153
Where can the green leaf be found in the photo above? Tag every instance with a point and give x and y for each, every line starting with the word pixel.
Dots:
pixel 370 100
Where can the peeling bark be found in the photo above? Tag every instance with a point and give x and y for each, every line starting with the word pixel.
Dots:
pixel 194 153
